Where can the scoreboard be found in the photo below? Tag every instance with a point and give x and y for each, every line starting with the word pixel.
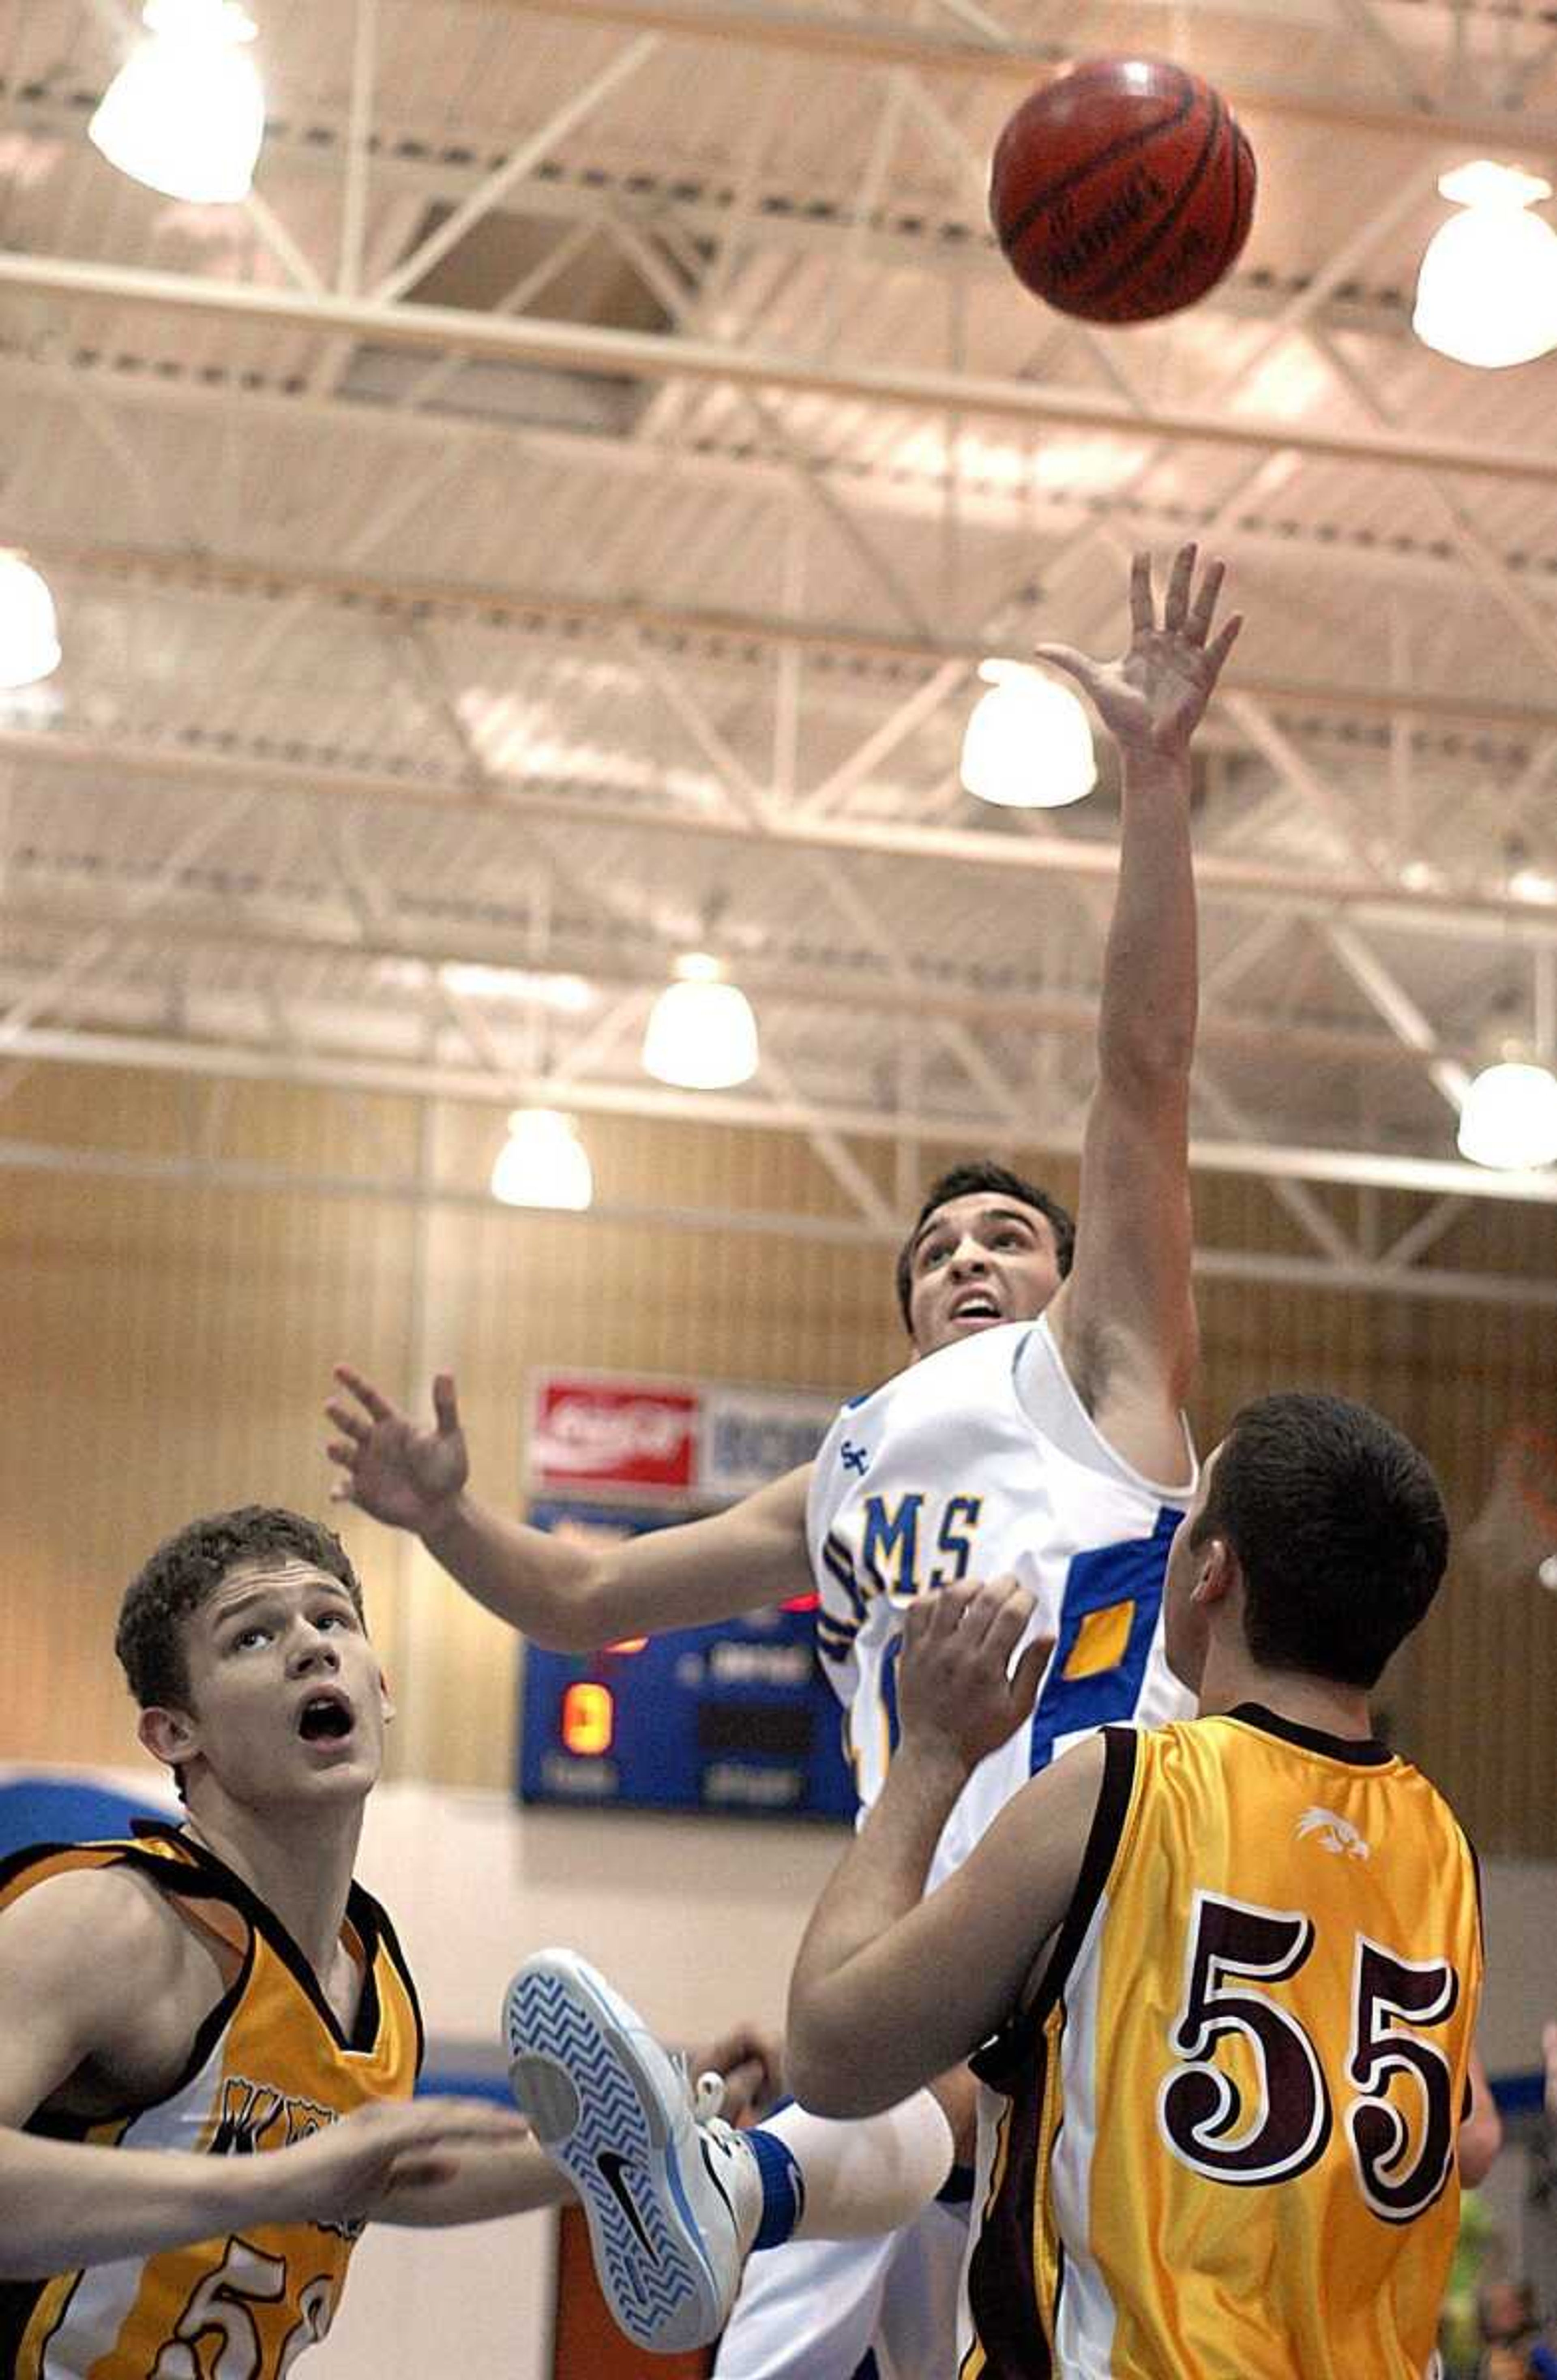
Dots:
pixel 736 1717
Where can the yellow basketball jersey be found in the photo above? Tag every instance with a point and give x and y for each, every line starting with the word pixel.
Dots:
pixel 271 2064
pixel 1221 2140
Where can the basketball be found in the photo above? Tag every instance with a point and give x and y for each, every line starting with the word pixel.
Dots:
pixel 1123 191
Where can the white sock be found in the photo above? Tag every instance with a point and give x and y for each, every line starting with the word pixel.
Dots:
pixel 865 2174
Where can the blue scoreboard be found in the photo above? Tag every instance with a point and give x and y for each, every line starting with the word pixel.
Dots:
pixel 736 1717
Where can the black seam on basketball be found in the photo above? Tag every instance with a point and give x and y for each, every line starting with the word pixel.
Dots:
pixel 1011 235
pixel 1233 240
pixel 1132 264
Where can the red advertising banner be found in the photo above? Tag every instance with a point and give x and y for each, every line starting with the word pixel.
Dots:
pixel 613 1433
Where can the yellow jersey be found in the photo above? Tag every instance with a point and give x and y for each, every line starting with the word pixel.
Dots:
pixel 1220 2142
pixel 271 2064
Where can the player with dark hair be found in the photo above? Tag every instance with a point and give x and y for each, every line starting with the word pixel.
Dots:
pixel 1219 1978
pixel 170 2004
pixel 1231 1966
pixel 981 1177
pixel 183 1571
pixel 1038 1429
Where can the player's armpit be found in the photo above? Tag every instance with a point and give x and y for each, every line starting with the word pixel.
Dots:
pixel 1123 1320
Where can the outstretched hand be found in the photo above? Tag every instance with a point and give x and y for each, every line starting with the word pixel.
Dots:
pixel 1152 698
pixel 348 2170
pixel 956 1689
pixel 403 1474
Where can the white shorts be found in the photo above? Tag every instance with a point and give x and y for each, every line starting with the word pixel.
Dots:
pixel 813 2309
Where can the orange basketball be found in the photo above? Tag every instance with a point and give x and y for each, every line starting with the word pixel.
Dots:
pixel 1122 190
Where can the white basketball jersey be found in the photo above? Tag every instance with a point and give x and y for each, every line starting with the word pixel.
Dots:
pixel 978 1461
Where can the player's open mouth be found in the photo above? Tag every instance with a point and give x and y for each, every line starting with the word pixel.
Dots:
pixel 326 1718
pixel 977 1307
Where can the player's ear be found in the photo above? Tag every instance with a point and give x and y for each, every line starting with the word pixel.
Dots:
pixel 169 1735
pixel 386 1700
pixel 1216 1569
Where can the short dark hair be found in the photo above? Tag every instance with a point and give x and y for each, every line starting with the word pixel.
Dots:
pixel 189 1566
pixel 1340 1529
pixel 962 1182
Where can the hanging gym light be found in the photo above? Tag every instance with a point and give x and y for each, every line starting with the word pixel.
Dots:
pixel 28 631
pixel 701 1034
pixel 1028 741
pixel 543 1162
pixel 1509 1118
pixel 1486 290
pixel 186 113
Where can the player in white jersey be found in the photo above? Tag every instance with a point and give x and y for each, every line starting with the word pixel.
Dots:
pixel 1071 1440
pixel 1027 1488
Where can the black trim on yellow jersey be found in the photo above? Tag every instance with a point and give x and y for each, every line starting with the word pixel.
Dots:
pixel 1002 2279
pixel 1001 2059
pixel 1357 1752
pixel 198 1874
pixel 391 1941
pixel 368 1922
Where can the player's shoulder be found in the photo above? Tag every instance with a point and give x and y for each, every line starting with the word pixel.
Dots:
pixel 126 1983
pixel 111 1914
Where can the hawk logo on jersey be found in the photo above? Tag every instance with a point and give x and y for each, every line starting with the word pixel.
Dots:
pixel 1335 1834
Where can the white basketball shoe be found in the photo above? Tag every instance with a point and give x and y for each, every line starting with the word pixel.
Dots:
pixel 671 2194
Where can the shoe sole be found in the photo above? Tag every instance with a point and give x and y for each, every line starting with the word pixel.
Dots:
pixel 653 2272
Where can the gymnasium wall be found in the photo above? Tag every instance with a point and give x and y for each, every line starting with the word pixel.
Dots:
pixel 168 1336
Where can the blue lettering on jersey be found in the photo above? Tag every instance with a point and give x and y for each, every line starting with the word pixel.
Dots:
pixel 892 1537
pixel 839 1566
pixel 852 1457
pixel 888 1561
pixel 957 1542
pixel 1129 1572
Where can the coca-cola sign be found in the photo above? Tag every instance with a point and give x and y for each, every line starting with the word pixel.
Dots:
pixel 614 1433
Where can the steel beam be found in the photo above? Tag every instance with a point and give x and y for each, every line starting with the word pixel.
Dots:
pixel 358 590
pixel 205 1172
pixel 1218 876
pixel 1236 1029
pixel 397 425
pixel 878 42
pixel 1376 1169
pixel 653 356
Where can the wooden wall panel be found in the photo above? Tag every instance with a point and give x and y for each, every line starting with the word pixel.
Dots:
pixel 169 1345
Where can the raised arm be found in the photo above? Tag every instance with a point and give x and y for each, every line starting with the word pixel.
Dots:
pixel 889 1989
pixel 1124 1319
pixel 556 1590
pixel 66 1949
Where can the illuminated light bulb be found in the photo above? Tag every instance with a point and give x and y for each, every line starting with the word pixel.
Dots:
pixel 186 111
pixel 701 1034
pixel 1029 742
pixel 1487 289
pixel 543 1162
pixel 1509 1118
pixel 28 631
